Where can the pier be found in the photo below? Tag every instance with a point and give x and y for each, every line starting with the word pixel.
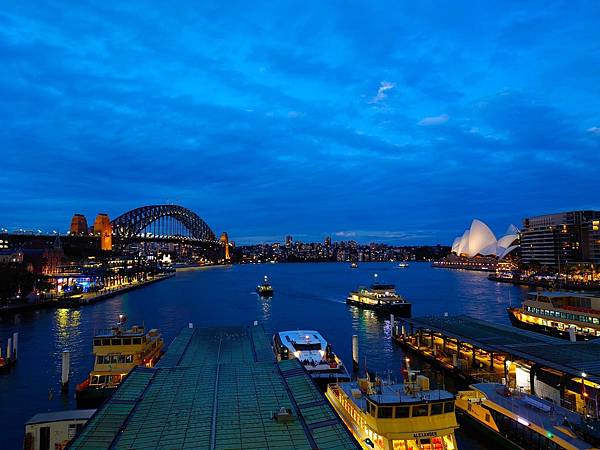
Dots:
pixel 567 373
pixel 217 388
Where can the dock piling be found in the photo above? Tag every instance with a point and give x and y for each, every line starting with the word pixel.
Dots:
pixel 190 325
pixel 392 325
pixel 9 349
pixel 15 345
pixel 66 366
pixel 572 336
pixel 355 352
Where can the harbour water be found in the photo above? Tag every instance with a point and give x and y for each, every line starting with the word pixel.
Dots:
pixel 309 296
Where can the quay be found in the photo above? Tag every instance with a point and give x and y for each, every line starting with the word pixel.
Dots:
pixel 80 300
pixel 566 373
pixel 217 388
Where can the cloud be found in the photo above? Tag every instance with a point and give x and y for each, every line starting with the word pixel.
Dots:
pixel 381 92
pixel 434 120
pixel 594 130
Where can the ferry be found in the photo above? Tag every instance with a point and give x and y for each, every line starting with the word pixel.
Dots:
pixel 315 354
pixel 116 352
pixel 403 265
pixel 559 314
pixel 406 416
pixel 354 265
pixel 517 420
pixel 380 297
pixel 265 289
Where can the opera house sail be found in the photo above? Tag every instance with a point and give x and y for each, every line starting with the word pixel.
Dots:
pixel 478 249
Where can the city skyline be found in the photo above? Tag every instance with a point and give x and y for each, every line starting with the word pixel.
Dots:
pixel 392 122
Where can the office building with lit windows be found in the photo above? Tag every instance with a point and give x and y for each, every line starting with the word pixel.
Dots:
pixel 563 238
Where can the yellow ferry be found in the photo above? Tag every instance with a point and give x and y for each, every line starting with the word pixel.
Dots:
pixel 116 353
pixel 516 420
pixel 405 416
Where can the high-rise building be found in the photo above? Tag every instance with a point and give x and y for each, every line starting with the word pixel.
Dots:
pixel 562 238
pixel 327 241
pixel 288 241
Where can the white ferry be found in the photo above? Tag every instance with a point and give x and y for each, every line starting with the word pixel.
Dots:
pixel 315 354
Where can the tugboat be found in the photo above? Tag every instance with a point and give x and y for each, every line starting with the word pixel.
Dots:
pixel 559 314
pixel 404 416
pixel 265 289
pixel 315 354
pixel 116 352
pixel 380 297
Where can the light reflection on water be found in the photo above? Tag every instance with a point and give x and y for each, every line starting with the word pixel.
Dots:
pixel 309 296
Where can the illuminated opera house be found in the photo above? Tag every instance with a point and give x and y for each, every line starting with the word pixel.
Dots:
pixel 478 249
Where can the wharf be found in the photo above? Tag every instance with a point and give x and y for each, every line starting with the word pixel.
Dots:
pixel 481 351
pixel 216 388
pixel 66 302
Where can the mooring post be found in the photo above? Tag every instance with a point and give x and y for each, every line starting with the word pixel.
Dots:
pixel 190 325
pixel 392 324
pixel 355 352
pixel 9 349
pixel 15 345
pixel 66 366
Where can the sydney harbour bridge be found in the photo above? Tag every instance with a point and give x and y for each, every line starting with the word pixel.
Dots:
pixel 153 224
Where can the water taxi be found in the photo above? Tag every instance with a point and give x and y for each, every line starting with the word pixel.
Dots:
pixel 405 416
pixel 559 314
pixel 265 289
pixel 518 420
pixel 116 352
pixel 380 297
pixel 315 354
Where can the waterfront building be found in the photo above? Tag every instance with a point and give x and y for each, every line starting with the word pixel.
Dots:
pixel 11 257
pixel 564 238
pixel 217 388
pixel 54 430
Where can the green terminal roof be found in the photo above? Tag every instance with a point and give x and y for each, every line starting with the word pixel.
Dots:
pixel 572 358
pixel 216 389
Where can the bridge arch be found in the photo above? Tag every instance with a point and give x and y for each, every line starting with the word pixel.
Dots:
pixel 134 222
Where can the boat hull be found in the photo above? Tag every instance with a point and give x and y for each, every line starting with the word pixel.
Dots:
pixel 402 309
pixel 550 331
pixel 91 398
pixel 496 439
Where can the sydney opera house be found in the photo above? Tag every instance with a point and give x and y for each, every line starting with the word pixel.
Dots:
pixel 478 249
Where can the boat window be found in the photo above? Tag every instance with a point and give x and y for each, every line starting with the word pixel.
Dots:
pixel 97 341
pixel 399 445
pixel 115 359
pixel 116 342
pixel 299 346
pixel 437 408
pixel 449 442
pixel 402 411
pixel 126 341
pixel 137 341
pixel 105 341
pixel 129 358
pixel 385 412
pixel 449 407
pixel 372 409
pixel 144 339
pixel 420 410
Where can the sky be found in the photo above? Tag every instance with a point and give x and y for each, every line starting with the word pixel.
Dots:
pixel 394 121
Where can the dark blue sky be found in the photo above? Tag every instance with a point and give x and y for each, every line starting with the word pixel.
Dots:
pixel 389 121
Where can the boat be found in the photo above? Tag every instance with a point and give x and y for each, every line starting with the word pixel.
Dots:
pixel 380 297
pixel 353 265
pixel 403 265
pixel 517 420
pixel 405 416
pixel 265 289
pixel 315 354
pixel 569 315
pixel 116 352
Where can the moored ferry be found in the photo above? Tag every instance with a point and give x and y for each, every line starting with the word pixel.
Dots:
pixel 116 352
pixel 315 354
pixel 380 297
pixel 558 314
pixel 518 420
pixel 405 416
